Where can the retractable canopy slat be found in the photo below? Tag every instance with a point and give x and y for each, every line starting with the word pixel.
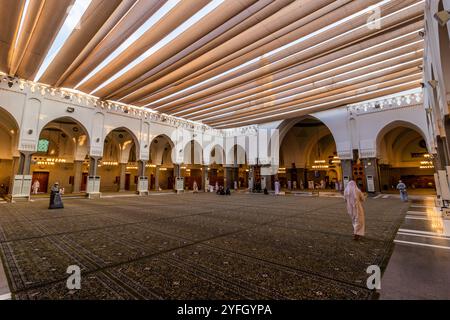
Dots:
pixel 226 63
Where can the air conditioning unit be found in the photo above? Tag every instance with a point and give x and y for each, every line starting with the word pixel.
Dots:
pixel 446 213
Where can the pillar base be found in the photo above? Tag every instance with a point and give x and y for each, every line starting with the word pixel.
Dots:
pixel 94 195
pixel 20 188
pixel 142 188
pixel 13 199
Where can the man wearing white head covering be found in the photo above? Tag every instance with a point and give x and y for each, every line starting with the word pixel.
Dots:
pixel 195 187
pixel 36 185
pixel 277 187
pixel 402 188
pixel 354 198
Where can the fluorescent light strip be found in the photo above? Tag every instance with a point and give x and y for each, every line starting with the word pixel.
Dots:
pixel 280 100
pixel 22 19
pixel 166 40
pixel 275 87
pixel 313 107
pixel 302 39
pixel 72 20
pixel 163 11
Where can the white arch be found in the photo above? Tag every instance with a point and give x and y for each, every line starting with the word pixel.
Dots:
pixel 288 124
pixel 395 124
pixel 49 123
pixel 125 152
pixel 157 156
pixel 198 153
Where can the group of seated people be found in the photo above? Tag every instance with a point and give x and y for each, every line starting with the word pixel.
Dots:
pixel 223 192
pixel 257 188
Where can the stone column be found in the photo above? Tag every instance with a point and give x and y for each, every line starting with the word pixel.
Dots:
pixel 346 166
pixel 268 182
pixel 93 163
pixel 25 162
pixel 176 171
pixel 440 157
pixel 268 173
pixel 142 188
pixel 141 168
pixel 22 181
pixel 251 177
pixel 93 187
pixel 157 178
pixel 78 175
pixel 176 174
pixel 15 170
pixel 123 171
pixel 371 169
pixel 228 177
pixel 204 177
pixel 235 175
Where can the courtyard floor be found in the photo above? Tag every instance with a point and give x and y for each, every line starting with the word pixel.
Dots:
pixel 195 246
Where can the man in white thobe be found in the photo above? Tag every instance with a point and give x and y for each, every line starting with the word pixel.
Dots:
pixel 195 187
pixel 277 187
pixel 36 186
pixel 403 193
pixel 354 198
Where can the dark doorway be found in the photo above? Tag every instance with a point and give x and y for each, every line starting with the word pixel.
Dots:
pixel 84 181
pixel 42 177
pixel 127 181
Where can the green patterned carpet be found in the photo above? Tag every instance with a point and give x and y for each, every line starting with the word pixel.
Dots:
pixel 195 246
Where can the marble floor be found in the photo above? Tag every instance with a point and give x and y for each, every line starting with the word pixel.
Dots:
pixel 195 246
pixel 419 266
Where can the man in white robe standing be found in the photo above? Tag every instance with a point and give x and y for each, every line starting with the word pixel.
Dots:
pixel 195 187
pixel 277 187
pixel 403 193
pixel 36 186
pixel 354 198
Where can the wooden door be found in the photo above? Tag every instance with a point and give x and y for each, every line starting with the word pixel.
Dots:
pixel 42 177
pixel 84 181
pixel 127 181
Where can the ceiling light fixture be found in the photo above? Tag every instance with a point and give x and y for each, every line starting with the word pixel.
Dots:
pixel 442 17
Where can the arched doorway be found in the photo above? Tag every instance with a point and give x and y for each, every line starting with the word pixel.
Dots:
pixel 118 167
pixel 61 156
pixel 216 170
pixel 161 163
pixel 308 156
pixel 9 133
pixel 191 168
pixel 403 155
pixel 242 169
